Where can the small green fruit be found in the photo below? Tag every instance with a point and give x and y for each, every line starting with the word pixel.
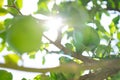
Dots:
pixel 24 34
pixel 85 38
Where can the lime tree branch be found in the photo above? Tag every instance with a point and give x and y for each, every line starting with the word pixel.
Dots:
pixel 76 55
pixel 100 75
pixel 102 69
pixel 70 67
pixel 112 67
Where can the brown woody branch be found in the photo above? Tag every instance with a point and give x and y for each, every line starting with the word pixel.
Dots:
pixel 61 68
pixel 109 68
pixel 100 75
pixel 76 55
pixel 103 69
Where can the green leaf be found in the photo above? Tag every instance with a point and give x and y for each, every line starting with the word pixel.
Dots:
pixel 69 76
pixel 116 76
pixel 19 3
pixel 32 54
pixel 12 10
pixel 99 26
pixel 2 35
pixel 7 23
pixel 5 75
pixel 64 60
pixel 106 12
pixel 105 35
pixel 84 2
pixel 24 79
pixel 11 59
pixel 42 77
pixel 53 76
pixel 57 76
pixel 112 28
pixel 118 44
pixel 2 43
pixel 2 27
pixel 1 3
pixel 116 20
pixel 38 77
pixel 43 7
pixel 78 41
pixel 43 46
pixel 43 60
pixel 110 4
pixel 3 12
pixel 100 50
pixel 2 46
pixel 69 46
pixel 10 2
pixel 77 37
pixel 69 32
pixel 118 35
pixel 46 45
pixel 98 16
pixel 113 4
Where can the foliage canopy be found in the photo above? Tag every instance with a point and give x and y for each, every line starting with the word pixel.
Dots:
pixel 81 27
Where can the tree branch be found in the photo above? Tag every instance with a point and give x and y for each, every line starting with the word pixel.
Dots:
pixel 76 55
pixel 107 68
pixel 100 75
pixel 70 68
pixel 102 68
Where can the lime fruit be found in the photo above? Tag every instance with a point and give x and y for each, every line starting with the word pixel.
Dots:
pixel 24 34
pixel 85 38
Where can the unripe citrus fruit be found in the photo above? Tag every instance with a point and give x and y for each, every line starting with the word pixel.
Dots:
pixel 85 38
pixel 24 34
pixel 91 38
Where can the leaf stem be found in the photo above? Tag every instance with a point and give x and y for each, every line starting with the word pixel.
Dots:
pixel 15 7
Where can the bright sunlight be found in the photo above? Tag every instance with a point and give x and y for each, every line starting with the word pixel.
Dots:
pixel 58 41
pixel 54 23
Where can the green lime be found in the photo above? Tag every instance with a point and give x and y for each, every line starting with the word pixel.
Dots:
pixel 24 34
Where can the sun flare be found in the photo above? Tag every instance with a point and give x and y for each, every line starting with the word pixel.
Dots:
pixel 54 23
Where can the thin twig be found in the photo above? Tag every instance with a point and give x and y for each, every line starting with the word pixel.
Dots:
pixel 15 7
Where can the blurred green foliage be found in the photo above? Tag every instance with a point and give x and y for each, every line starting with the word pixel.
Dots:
pixel 85 33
